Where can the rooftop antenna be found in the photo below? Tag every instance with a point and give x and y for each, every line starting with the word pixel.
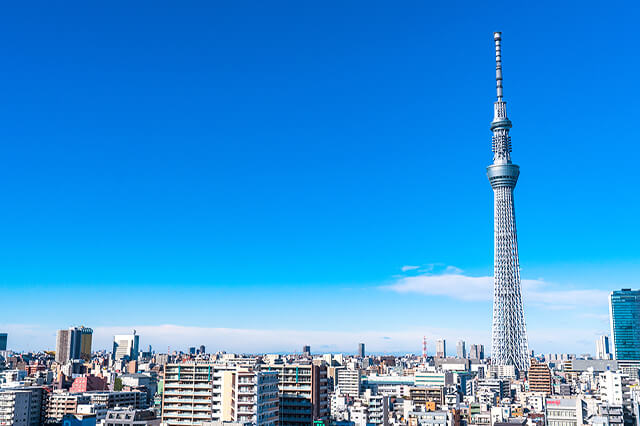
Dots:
pixel 497 36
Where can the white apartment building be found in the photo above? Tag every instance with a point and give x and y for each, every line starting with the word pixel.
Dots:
pixel 195 393
pixel 256 397
pixel 565 412
pixel 61 403
pixel 614 388
pixel 349 382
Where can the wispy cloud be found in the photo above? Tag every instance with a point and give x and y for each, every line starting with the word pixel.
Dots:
pixel 453 283
pixel 406 268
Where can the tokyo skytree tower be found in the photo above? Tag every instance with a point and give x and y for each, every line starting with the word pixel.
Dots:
pixel 509 335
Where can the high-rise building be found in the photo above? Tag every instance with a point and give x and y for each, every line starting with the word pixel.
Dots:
pixel 303 391
pixel 69 344
pixel 62 346
pixel 476 352
pixel 197 392
pixel 624 312
pixel 125 346
pixel 256 397
pixel 441 348
pixel 3 341
pixel 86 337
pixel 602 348
pixel 509 336
pixel 202 349
pixel 306 350
pixel 361 352
pixel 461 350
pixel 539 377
pixel 206 392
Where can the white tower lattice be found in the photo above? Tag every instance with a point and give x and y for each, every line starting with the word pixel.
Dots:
pixel 509 334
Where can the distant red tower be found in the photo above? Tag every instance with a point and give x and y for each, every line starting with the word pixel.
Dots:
pixel 424 348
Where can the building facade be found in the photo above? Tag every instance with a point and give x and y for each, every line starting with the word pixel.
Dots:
pixel 195 393
pixel 361 351
pixel 349 382
pixel 461 349
pixel 603 350
pixel 256 397
pixel 624 312
pixel 441 348
pixel 86 338
pixel 125 346
pixel 303 393
pixel 22 406
pixel 539 377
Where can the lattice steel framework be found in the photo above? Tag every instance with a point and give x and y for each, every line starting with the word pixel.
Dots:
pixel 509 334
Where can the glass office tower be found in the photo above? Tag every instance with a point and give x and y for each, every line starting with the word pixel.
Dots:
pixel 624 311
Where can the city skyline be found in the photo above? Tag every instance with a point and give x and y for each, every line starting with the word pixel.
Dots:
pixel 265 165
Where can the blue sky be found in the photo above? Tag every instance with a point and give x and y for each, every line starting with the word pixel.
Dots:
pixel 256 175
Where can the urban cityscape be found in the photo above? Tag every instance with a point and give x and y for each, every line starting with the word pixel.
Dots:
pixel 70 379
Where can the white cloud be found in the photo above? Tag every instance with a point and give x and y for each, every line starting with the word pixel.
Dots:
pixel 454 284
pixel 406 268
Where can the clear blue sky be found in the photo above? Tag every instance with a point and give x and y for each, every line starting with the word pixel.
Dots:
pixel 273 165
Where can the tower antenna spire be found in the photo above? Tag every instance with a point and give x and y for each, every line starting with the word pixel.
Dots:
pixel 509 344
pixel 497 37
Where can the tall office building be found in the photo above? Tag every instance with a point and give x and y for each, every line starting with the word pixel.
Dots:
pixel 306 350
pixel 624 312
pixel 441 348
pixel 509 334
pixel 69 344
pixel 461 349
pixel 86 337
pixel 361 352
pixel 3 341
pixel 125 346
pixel 602 348
pixel 476 352
pixel 62 346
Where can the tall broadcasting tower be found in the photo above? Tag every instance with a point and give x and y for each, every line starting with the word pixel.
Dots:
pixel 509 334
